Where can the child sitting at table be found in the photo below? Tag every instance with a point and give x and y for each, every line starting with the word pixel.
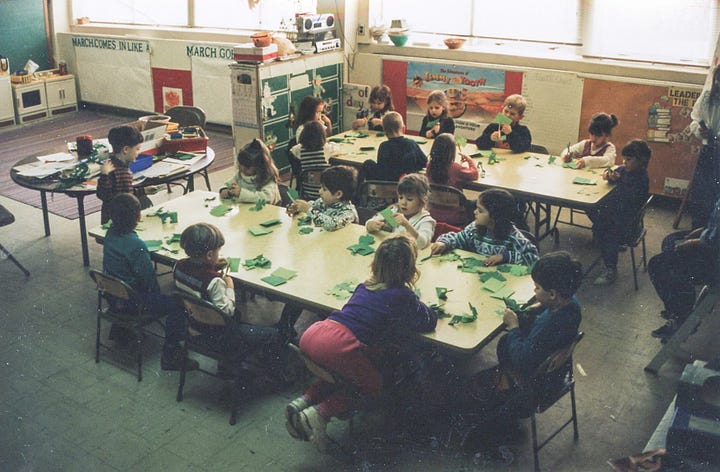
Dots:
pixel 380 103
pixel 437 115
pixel 492 234
pixel 409 214
pixel 201 274
pixel 615 219
pixel 127 257
pixel 333 210
pixel 115 175
pixel 381 306
pixel 597 150
pixel 256 177
pixel 444 170
pixel 312 155
pixel 513 136
pixel 398 155
pixel 312 108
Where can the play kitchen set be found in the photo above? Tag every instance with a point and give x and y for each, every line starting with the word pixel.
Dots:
pixel 315 34
pixel 39 94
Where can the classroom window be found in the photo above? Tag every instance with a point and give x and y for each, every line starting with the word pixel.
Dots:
pixel 139 12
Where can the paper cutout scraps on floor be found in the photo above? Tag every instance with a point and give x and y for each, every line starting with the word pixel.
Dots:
pixel 259 230
pixel 279 277
pixel 465 318
pixel 387 215
pixel 257 262
pixel 220 210
pixel 584 181
pixel 268 223
pixel 259 205
pixel 363 245
pixel 343 290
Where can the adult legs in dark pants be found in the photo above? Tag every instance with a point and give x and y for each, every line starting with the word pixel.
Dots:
pixel 705 188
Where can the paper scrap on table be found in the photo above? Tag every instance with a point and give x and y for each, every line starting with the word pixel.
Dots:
pixel 258 261
pixel 387 215
pixel 259 230
pixel 471 264
pixel 493 285
pixel 273 280
pixel 153 244
pixel 304 220
pixel 360 249
pixel 220 210
pixel 343 290
pixel 503 293
pixel 268 223
pixel 464 318
pixel 175 238
pixel 552 159
pixel 442 292
pixel 584 181
pixel 451 256
pixel 56 157
pixel 570 165
pixel 514 269
pixel 259 205
pixel 485 276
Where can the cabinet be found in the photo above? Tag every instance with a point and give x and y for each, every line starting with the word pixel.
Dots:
pixel 61 94
pixel 7 110
pixel 263 96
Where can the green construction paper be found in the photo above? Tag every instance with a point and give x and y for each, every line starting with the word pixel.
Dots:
pixel 343 290
pixel 259 205
pixel 259 230
pixel 220 210
pixel 519 270
pixel 361 249
pixel 503 293
pixel 284 273
pixel 273 280
pixel 471 264
pixel 380 134
pixel 306 230
pixel 465 318
pixel 183 156
pixel 169 249
pixel 449 257
pixel 336 140
pixel 515 306
pixel 440 311
pixel 367 148
pixel 293 194
pixel 387 214
pixel 175 238
pixel 485 276
pixel 502 119
pixel 153 244
pixel 257 262
pixel 504 268
pixel 570 165
pixel 268 223
pixel 360 134
pixel 493 285
pixel 552 159
pixel 106 225
pixel 584 181
pixel 442 292
pixel 233 263
pixel 460 141
pixel 304 220
pixel 432 123
pixel 366 240
pixel 173 217
pixel 492 158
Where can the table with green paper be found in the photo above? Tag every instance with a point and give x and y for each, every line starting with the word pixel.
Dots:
pixel 322 260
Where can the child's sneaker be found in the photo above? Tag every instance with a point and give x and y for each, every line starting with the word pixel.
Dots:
pixel 666 330
pixel 314 426
pixel 292 418
pixel 606 278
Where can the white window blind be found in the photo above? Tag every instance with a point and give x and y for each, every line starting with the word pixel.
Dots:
pixel 140 12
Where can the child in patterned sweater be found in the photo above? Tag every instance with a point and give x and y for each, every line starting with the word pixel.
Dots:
pixel 333 210
pixel 492 234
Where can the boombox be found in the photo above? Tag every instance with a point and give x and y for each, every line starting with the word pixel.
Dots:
pixel 315 23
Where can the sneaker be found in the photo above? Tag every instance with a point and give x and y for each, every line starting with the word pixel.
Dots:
pixel 667 315
pixel 173 358
pixel 606 278
pixel 666 330
pixel 292 418
pixel 314 426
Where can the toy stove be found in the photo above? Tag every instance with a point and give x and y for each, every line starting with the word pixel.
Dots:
pixel 316 32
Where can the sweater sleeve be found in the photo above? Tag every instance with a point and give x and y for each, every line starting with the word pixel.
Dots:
pixel 574 151
pixel 447 126
pixel 607 159
pixel 418 316
pixel 520 138
pixel 484 141
pixel 424 127
pixel 460 240
pixel 467 172
pixel 521 250
pixel 268 192
pixel 332 221
pixel 426 230
pixel 221 296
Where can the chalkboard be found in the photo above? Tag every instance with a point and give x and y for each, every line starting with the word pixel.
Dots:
pixel 22 33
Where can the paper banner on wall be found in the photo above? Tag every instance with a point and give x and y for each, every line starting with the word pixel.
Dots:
pixel 211 84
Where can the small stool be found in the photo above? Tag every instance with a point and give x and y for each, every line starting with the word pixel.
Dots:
pixel 7 218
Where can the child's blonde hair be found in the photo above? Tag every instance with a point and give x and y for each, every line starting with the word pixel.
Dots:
pixel 414 184
pixel 392 122
pixel 517 102
pixel 394 264
pixel 200 238
pixel 439 97
pixel 256 155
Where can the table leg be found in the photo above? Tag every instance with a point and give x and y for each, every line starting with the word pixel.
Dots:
pixel 46 218
pixel 83 230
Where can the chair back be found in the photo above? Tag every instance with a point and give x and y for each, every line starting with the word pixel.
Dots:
pixel 285 199
pixel 319 371
pixel 442 228
pixel 187 116
pixel 377 194
pixel 636 229
pixel 538 149
pixel 109 285
pixel 203 315
pixel 311 176
pixel 445 200
pixel 559 358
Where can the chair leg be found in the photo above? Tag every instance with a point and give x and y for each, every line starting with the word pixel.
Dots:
pixel 576 434
pixel 97 339
pixel 634 267
pixel 15 261
pixel 207 179
pixel 644 255
pixel 237 388
pixel 181 384
pixel 138 347
pixel 533 427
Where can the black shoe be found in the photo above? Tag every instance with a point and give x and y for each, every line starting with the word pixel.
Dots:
pixel 666 330
pixel 121 335
pixel 173 358
pixel 667 315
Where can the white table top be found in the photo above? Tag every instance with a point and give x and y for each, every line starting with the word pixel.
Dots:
pixel 322 261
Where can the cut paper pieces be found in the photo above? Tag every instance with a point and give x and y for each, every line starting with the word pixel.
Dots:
pixel 387 214
pixel 175 238
pixel 367 148
pixel 169 249
pixel 293 194
pixel 514 269
pixel 268 223
pixel 442 292
pixel 584 181
pixel 259 230
pixel 363 245
pixel 465 318
pixel 492 158
pixel 551 159
pixel 493 285
pixel 449 257
pixel 380 134
pixel 343 290
pixel 432 123
pixel 503 293
pixel 440 311
pixel 106 225
pixel 470 264
pixel 306 230
pixel 259 205
pixel 220 210
pixel 502 119
pixel 485 276
pixel 366 239
pixel 233 264
pixel 460 141
pixel 153 244
pixel 279 277
pixel 570 165
pixel 304 220
pixel 274 281
pixel 165 215
pixel 513 305
pixel 257 262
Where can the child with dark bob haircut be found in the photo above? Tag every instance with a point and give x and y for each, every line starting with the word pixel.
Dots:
pixel 333 210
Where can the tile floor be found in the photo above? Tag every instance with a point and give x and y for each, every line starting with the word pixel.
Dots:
pixel 59 410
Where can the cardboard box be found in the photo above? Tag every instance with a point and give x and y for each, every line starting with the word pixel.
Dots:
pixel 152 132
pixel 247 52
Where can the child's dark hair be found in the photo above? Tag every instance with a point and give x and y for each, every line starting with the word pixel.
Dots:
pixel 639 150
pixel 439 97
pixel 124 210
pixel 312 137
pixel 394 263
pixel 715 91
pixel 392 123
pixel 502 208
pixel 343 178
pixel 122 136
pixel 414 184
pixel 442 154
pixel 200 238
pixel 602 124
pixel 382 93
pixel 306 110
pixel 256 155
pixel 558 271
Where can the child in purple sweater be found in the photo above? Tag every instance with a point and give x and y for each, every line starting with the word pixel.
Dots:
pixel 383 303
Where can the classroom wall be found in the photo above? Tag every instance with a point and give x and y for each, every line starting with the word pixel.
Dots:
pixel 22 33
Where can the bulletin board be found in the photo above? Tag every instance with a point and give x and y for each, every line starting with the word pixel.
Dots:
pixel 658 114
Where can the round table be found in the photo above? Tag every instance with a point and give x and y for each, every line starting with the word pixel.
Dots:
pixel 79 192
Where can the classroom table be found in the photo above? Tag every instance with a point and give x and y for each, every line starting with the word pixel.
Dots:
pixel 323 261
pixel 80 191
pixel 538 178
